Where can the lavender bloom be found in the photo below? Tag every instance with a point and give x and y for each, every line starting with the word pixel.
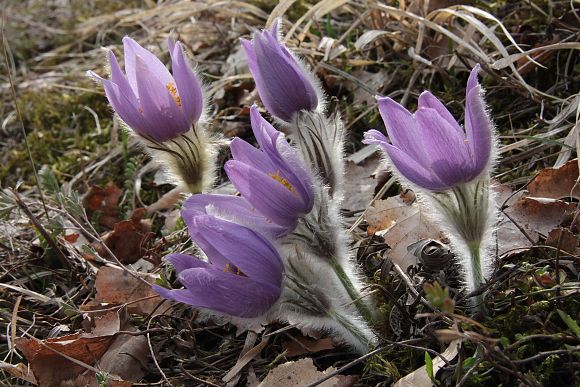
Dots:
pixel 155 104
pixel 232 208
pixel 272 179
pixel 243 277
pixel 284 85
pixel 429 148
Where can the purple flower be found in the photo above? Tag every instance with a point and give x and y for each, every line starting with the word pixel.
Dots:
pixel 242 278
pixel 285 87
pixel 272 179
pixel 151 101
pixel 429 148
pixel 232 208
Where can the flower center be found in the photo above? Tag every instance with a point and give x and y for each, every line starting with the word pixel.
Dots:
pixel 276 176
pixel 173 91
pixel 233 269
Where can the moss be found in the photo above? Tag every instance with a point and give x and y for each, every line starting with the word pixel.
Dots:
pixel 60 132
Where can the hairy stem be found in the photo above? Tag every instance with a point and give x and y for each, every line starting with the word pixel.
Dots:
pixel 353 293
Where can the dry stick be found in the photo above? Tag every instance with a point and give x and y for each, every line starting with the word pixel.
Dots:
pixel 153 353
pixel 13 91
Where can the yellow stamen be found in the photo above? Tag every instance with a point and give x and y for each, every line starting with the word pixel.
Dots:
pixel 173 91
pixel 276 176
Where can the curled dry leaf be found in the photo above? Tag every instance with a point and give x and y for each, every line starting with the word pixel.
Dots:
pixel 557 183
pixel 401 224
pixel 303 372
pixel 128 240
pixel 563 239
pixel 117 287
pixel 91 349
pixel 534 217
pixel 105 202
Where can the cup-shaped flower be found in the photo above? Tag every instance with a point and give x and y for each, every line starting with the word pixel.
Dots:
pixel 155 104
pixel 429 148
pixel 243 277
pixel 283 83
pixel 272 179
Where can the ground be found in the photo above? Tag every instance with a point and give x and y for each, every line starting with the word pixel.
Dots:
pixel 75 186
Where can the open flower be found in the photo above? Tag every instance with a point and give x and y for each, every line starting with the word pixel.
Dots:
pixel 284 85
pixel 243 277
pixel 272 179
pixel 155 104
pixel 429 148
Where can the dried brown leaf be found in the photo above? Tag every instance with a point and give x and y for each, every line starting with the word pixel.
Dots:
pixel 557 183
pixel 303 345
pixel 105 201
pixel 301 373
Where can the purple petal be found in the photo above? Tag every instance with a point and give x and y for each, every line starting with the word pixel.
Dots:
pixel 247 154
pixel 445 148
pixel 119 78
pixel 272 198
pixel 159 107
pixel 401 126
pixel 223 292
pixel 232 208
pixel 253 254
pixel 373 136
pixel 412 170
pixel 428 100
pixel 132 50
pixel 183 262
pixel 188 86
pixel 477 124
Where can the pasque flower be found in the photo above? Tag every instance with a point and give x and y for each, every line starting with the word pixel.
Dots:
pixel 272 179
pixel 151 101
pixel 429 148
pixel 243 277
pixel 283 83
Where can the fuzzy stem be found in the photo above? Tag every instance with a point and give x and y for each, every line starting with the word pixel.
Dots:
pixel 477 275
pixel 353 293
pixel 351 328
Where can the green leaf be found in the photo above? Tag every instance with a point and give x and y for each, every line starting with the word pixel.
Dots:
pixel 429 366
pixel 572 324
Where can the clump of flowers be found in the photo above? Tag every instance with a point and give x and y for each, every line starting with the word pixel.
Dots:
pixel 164 111
pixel 449 167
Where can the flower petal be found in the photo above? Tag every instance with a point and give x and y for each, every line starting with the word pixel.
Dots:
pixel 223 292
pixel 188 85
pixel 272 198
pixel 232 208
pixel 478 125
pixel 428 100
pixel 132 50
pixel 373 136
pixel 412 170
pixel 119 78
pixel 158 105
pixel 253 254
pixel 401 126
pixel 183 262
pixel 445 148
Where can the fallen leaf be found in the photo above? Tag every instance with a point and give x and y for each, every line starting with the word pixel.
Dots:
pixel 535 216
pixel 557 183
pixel 359 185
pixel 562 238
pixel 117 287
pixel 303 372
pixel 302 345
pixel 20 371
pixel 419 377
pixel 105 202
pixel 128 239
pixel 401 225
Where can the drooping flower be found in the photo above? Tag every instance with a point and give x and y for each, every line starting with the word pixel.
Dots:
pixel 155 104
pixel 272 179
pixel 283 83
pixel 243 277
pixel 429 148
